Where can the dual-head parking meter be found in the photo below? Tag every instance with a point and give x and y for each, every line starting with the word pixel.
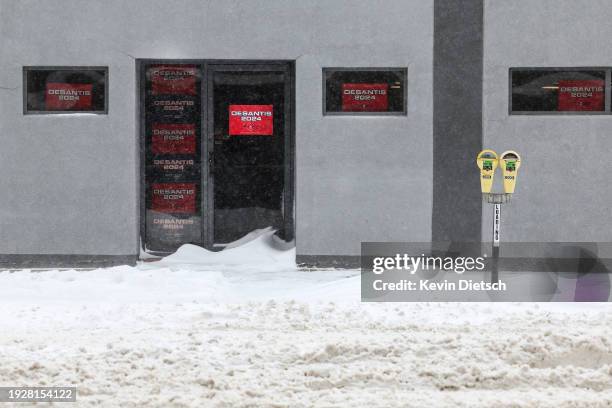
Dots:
pixel 487 161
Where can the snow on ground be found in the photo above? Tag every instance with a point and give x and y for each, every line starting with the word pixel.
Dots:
pixel 244 328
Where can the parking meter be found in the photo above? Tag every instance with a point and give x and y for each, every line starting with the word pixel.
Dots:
pixel 510 162
pixel 487 163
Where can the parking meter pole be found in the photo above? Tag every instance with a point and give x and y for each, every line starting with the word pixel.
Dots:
pixel 496 238
pixel 487 161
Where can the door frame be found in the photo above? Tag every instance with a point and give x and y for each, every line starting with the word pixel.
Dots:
pixel 210 66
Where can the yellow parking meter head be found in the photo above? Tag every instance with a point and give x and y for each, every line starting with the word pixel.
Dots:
pixel 487 163
pixel 510 162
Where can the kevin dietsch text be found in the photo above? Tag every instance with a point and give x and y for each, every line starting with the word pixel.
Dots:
pixel 438 286
pixel 411 264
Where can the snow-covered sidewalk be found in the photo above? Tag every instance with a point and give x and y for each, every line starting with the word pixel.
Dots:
pixel 204 330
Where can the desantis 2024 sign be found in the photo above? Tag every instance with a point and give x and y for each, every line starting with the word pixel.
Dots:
pixel 251 120
pixel 365 97
pixel 66 96
pixel 173 79
pixel 581 95
pixel 173 198
pixel 173 138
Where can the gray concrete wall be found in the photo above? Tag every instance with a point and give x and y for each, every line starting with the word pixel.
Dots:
pixel 457 120
pixel 554 201
pixel 70 183
pixel 365 178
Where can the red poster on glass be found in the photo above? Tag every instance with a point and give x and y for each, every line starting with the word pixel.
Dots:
pixel 251 120
pixel 173 79
pixel 174 198
pixel 365 97
pixel 581 95
pixel 173 138
pixel 173 166
pixel 65 96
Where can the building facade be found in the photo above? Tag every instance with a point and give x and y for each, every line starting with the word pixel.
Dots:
pixel 268 133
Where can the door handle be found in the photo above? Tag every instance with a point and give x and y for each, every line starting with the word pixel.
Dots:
pixel 211 162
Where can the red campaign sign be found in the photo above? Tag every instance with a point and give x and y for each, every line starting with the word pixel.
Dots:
pixel 365 97
pixel 251 120
pixel 173 166
pixel 65 96
pixel 173 138
pixel 581 95
pixel 174 198
pixel 173 224
pixel 173 79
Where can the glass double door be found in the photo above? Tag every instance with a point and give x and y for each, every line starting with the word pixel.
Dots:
pixel 217 151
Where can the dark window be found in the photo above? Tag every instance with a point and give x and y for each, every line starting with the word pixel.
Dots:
pixel 566 90
pixel 65 89
pixel 364 91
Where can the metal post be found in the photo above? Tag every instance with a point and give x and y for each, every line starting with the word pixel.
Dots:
pixel 496 237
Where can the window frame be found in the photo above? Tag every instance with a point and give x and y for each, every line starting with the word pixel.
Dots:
pixel 404 72
pixel 27 69
pixel 607 89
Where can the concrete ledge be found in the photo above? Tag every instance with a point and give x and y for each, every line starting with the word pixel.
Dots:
pixel 20 261
pixel 329 261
